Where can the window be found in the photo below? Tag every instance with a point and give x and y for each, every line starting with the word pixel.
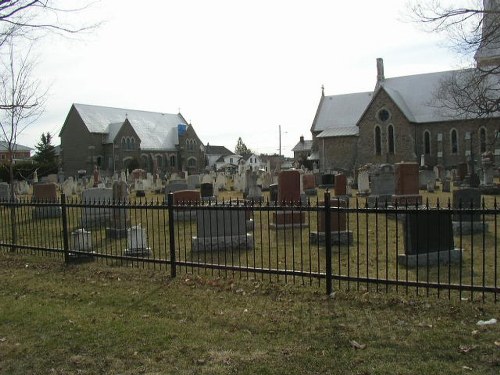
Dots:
pixel 132 143
pixel 427 142
pixel 482 140
pixel 390 139
pixel 454 141
pixel 383 115
pixel 378 141
pixel 191 162
pixel 123 143
pixel 159 161
pixel 128 144
pixel 172 161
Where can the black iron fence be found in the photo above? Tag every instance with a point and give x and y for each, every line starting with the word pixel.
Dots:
pixel 335 242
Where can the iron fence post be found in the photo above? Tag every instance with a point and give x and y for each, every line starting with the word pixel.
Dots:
pixel 171 231
pixel 65 228
pixel 328 244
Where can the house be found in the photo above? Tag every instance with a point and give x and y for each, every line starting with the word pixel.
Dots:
pixel 228 163
pixel 115 139
pixel 402 119
pixel 214 153
pixel 251 162
pixel 302 152
pixel 20 152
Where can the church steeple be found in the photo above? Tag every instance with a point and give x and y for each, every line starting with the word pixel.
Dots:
pixel 488 52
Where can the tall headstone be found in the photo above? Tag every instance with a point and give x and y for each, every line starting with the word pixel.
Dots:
pixel 381 185
pixel 309 184
pixel 364 181
pixel 289 195
pixel 188 200
pixel 340 185
pixel 338 223
pixel 254 191
pixel 94 214
pixel 120 218
pixel 207 191
pixel 45 196
pixel 4 192
pixel 406 184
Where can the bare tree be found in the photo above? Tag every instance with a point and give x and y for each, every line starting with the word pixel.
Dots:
pixel 28 18
pixel 472 31
pixel 22 99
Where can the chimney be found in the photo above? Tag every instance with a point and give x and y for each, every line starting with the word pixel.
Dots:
pixel 301 139
pixel 380 71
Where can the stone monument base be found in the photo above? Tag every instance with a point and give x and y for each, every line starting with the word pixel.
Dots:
pixel 139 252
pixel 116 233
pixel 379 201
pixel 408 199
pixel 222 243
pixel 467 227
pixel 47 212
pixel 338 237
pixel 288 219
pixel 431 258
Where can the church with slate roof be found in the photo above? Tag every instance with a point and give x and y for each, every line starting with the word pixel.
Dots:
pixel 113 139
pixel 404 119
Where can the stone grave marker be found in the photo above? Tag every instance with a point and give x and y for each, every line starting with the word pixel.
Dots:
pixel 381 186
pixel 137 242
pixel 175 185
pixel 363 181
pixel 120 217
pixel 254 191
pixel 327 181
pixel 338 223
pixel 467 222
pixel 426 178
pixel 4 192
pixel 289 194
pixel 189 199
pixel 309 184
pixel 94 215
pixel 45 194
pixel 428 239
pixel 406 184
pixel 219 230
pixel 193 181
pixel 340 185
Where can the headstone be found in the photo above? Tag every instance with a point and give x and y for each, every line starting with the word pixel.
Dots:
pixel 426 177
pixel 328 181
pixel 309 184
pixel 381 186
pixel 406 184
pixel 254 191
pixel 446 188
pixel 363 181
pixel 464 221
pixel 189 200
pixel 45 194
pixel 219 229
pixel 340 185
pixel 273 193
pixel 175 186
pixel 137 242
pixel 289 194
pixel 428 239
pixel 139 188
pixel 207 191
pixel 488 160
pixel 338 223
pixel 120 217
pixel 4 192
pixel 193 181
pixel 462 170
pixel 94 215
pixel 96 177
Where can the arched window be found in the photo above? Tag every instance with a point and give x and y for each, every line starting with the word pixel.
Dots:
pixel 172 161
pixel 124 144
pixel 378 141
pixel 192 162
pixel 427 142
pixel 159 161
pixel 482 140
pixel 128 144
pixel 390 139
pixel 454 141
pixel 132 143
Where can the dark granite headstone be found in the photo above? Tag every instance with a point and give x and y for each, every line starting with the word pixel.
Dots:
pixel 207 190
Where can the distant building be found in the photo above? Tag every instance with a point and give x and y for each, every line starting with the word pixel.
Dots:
pixel 116 138
pixel 214 153
pixel 302 152
pixel 20 152
pixel 402 119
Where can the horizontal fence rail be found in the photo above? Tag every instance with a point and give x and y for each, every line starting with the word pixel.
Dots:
pixel 339 242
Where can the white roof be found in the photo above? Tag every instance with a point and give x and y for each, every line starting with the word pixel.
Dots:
pixel 157 131
pixel 341 110
pixel 339 132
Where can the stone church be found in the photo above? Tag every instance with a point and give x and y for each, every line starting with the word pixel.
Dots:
pixel 404 119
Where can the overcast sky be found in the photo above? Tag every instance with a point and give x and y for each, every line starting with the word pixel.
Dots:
pixel 234 68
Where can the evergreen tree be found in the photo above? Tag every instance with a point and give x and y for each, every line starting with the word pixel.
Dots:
pixel 241 148
pixel 46 152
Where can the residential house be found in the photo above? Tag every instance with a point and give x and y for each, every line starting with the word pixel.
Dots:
pixel 214 153
pixel 20 152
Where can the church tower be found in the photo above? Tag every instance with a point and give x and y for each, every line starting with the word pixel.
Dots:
pixel 488 52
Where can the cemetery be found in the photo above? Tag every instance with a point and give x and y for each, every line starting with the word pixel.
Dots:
pixel 389 229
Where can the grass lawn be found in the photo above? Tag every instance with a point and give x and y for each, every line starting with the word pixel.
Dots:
pixel 97 319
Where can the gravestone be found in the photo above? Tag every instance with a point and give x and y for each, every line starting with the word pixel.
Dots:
pixel 189 200
pixel 381 186
pixel 327 181
pixel 428 239
pixel 406 184
pixel 273 193
pixel 467 222
pixel 120 218
pixel 309 184
pixel 426 177
pixel 364 181
pixel 338 223
pixel 175 185
pixel 220 229
pixel 68 187
pixel 94 215
pixel 462 171
pixel 340 185
pixel 254 191
pixel 193 181
pixel 207 191
pixel 446 188
pixel 4 192
pixel 80 240
pixel 45 194
pixel 488 163
pixel 289 194
pixel 137 242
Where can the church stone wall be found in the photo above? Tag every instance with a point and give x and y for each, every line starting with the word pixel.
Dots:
pixel 338 153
